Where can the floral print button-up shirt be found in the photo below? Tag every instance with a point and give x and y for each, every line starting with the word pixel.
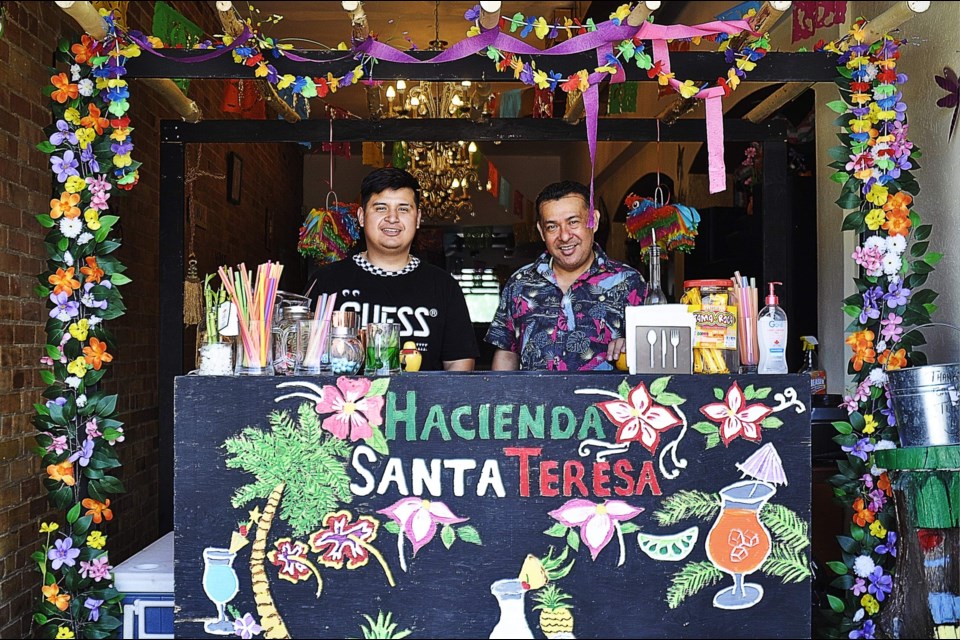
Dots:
pixel 558 331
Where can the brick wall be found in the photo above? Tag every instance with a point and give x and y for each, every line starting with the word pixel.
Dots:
pixel 234 233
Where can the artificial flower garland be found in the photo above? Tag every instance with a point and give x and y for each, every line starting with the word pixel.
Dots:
pixel 874 166
pixel 90 157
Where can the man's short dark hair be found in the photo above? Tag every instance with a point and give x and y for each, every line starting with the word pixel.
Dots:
pixel 385 179
pixel 559 190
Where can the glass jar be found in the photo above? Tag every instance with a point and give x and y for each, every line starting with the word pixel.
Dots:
pixel 286 357
pixel 346 350
pixel 715 336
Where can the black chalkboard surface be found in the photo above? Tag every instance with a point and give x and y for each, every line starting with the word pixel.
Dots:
pixel 493 505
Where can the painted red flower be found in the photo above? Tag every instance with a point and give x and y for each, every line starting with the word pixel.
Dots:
pixel 291 557
pixel 344 541
pixel 640 418
pixel 736 418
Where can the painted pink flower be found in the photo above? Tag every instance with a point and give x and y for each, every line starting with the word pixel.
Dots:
pixel 640 418
pixel 344 541
pixel 597 522
pixel 736 418
pixel 418 518
pixel 291 557
pixel 353 414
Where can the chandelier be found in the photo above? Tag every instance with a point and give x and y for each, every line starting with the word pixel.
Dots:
pixel 445 170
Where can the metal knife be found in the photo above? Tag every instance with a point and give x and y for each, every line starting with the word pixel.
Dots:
pixel 663 349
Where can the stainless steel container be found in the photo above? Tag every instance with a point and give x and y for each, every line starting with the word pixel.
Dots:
pixel 926 402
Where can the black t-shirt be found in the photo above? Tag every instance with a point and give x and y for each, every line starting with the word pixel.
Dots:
pixel 425 300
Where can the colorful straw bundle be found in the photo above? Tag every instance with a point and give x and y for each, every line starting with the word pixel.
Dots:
pixel 675 224
pixel 255 305
pixel 319 329
pixel 745 295
pixel 330 233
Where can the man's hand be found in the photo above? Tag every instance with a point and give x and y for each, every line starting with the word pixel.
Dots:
pixel 615 348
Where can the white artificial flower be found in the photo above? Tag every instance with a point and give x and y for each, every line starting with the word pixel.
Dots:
pixel 81 401
pixel 68 258
pixel 72 381
pixel 84 237
pixel 71 227
pixel 75 72
pixel 896 244
pixel 94 320
pixel 119 438
pixel 878 377
pixel 880 446
pixel 870 72
pixel 875 242
pixel 85 87
pixel 891 264
pixel 858 616
pixel 863 566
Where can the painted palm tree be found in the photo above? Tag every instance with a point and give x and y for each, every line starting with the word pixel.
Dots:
pixel 302 464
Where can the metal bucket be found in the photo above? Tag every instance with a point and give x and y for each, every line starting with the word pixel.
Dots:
pixel 926 400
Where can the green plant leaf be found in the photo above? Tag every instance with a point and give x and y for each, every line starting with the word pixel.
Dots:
pixel 840 177
pixel 918 249
pixel 392 526
pixel 447 536
pixel 628 527
pixel 45 220
pixel 933 258
pixel 378 387
pixel 120 279
pixel 53 352
pixel 840 154
pixel 922 232
pixel 844 428
pixel 848 201
pixel 46 147
pixel 573 540
pixel 838 106
pixel 82 525
pixel 469 534
pixel 838 568
pixel 557 530
pixel 624 390
pixel 706 428
pixel 930 308
pixel 377 441
pixel 718 393
pixel 772 422
pixel 658 385
pixel 107 405
pixel 110 484
pixel 713 440
pixel 669 399
pixel 836 603
pixel 74 513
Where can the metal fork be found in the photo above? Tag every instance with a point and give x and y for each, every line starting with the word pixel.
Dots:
pixel 675 341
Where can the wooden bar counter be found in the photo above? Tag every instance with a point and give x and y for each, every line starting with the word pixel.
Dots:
pixel 487 504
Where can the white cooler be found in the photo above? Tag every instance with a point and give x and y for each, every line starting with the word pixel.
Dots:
pixel 146 582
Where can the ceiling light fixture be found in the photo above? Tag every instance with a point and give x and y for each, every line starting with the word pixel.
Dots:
pixel 781 6
pixel 918 7
pixel 653 5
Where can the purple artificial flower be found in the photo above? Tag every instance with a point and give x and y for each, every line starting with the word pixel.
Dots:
pixel 889 546
pixel 89 158
pixel 861 449
pixel 891 327
pixel 84 453
pixel 888 412
pixel 64 308
pixel 246 627
pixel 859 587
pixel 59 401
pixel 867 480
pixel 472 15
pixel 870 310
pixel 87 298
pixel 526 74
pixel 867 632
pixel 880 584
pixel 877 500
pixel 63 553
pixel 94 605
pixel 122 148
pixel 64 166
pixel 63 133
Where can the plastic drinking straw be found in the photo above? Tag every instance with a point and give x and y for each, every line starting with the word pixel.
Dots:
pixel 310 357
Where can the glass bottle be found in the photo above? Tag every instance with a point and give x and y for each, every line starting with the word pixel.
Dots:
pixel 346 350
pixel 655 294
pixel 285 353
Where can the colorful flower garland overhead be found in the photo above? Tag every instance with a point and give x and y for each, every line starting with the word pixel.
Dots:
pixel 90 156
pixel 874 166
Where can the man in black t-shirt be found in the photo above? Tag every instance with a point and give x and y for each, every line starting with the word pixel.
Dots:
pixel 386 284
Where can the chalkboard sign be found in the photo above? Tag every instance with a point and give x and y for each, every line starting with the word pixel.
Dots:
pixel 493 505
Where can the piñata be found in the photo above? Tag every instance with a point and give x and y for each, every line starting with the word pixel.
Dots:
pixel 328 234
pixel 675 224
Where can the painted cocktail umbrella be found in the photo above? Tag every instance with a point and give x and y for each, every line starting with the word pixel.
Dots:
pixel 764 465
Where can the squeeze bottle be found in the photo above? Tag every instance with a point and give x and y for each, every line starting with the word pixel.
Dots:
pixel 772 335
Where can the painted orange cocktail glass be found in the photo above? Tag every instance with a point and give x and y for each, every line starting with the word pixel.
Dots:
pixel 738 543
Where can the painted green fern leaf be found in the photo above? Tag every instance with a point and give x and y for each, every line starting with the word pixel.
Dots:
pixel 688 504
pixel 787 563
pixel 693 577
pixel 786 526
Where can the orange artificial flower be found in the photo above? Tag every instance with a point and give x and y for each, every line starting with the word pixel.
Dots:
pixel 99 510
pixel 883 483
pixel 861 515
pixel 64 282
pixel 899 204
pixel 862 344
pixel 894 361
pixel 65 90
pixel 62 472
pixel 52 594
pixel 96 354
pixel 897 225
pixel 65 206
pixel 83 50
pixel 93 271
pixel 94 121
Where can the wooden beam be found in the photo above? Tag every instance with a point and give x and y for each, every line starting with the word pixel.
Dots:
pixel 453 129
pixel 234 27
pixel 772 103
pixel 90 20
pixel 575 108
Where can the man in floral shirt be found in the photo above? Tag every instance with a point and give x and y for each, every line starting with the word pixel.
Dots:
pixel 564 312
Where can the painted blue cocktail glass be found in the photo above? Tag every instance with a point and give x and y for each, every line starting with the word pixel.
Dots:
pixel 220 583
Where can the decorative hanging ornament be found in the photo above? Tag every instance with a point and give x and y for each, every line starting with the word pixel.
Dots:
pixel 675 224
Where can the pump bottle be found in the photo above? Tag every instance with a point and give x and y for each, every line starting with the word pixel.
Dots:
pixel 772 335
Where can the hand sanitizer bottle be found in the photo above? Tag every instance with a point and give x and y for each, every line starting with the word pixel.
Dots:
pixel 772 335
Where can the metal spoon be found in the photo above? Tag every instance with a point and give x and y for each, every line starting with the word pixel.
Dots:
pixel 652 339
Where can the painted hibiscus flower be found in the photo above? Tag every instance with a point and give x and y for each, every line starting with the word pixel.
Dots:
pixel 597 522
pixel 353 413
pixel 291 557
pixel 418 520
pixel 736 418
pixel 344 541
pixel 640 418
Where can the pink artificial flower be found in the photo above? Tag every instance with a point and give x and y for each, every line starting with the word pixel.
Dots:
pixel 98 569
pixel 59 445
pixel 597 522
pixel 353 414
pixel 736 418
pixel 92 428
pixel 640 418
pixel 418 518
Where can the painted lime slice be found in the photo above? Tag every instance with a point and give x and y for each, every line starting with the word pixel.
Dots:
pixel 671 547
